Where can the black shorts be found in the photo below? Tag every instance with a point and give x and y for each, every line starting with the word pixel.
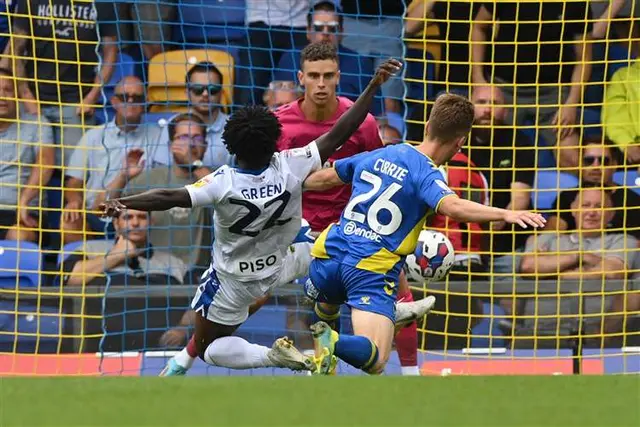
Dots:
pixel 9 218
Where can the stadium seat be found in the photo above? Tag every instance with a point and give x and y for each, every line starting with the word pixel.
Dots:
pixel 20 264
pixel 628 179
pixel 210 21
pixel 69 249
pixel 125 66
pixel 547 186
pixel 546 159
pixel 167 70
pixel 29 327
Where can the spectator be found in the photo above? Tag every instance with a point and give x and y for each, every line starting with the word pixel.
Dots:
pixel 147 24
pixel 598 165
pixel 609 12
pixel 26 161
pixel 62 75
pixel 324 24
pixel 274 27
pixel 453 21
pixel 204 90
pixel 556 37
pixel 305 120
pixel 178 230
pixel 621 111
pixel 7 9
pixel 107 157
pixel 466 238
pixel 586 253
pixel 280 93
pixel 374 28
pixel 129 260
pixel 506 158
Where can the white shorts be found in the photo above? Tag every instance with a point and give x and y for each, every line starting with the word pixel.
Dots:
pixel 225 300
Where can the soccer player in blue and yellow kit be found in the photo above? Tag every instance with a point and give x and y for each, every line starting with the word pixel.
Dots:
pixel 358 260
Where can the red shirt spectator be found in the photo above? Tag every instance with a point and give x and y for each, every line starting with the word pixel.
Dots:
pixel 464 178
pixel 323 208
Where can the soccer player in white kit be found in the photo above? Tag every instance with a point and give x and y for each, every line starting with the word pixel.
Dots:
pixel 257 214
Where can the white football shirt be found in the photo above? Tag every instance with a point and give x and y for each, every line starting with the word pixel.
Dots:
pixel 257 215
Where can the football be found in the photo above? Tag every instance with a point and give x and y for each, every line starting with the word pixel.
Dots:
pixel 432 259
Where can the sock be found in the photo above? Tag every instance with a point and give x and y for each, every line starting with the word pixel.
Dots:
pixel 358 351
pixel 237 353
pixel 410 371
pixel 332 319
pixel 191 347
pixel 407 339
pixel 184 359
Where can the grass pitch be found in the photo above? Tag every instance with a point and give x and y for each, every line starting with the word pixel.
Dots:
pixel 321 401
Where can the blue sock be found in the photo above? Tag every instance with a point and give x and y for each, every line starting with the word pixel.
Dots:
pixel 332 319
pixel 358 351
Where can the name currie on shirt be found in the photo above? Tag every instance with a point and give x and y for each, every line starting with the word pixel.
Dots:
pixel 261 192
pixel 388 168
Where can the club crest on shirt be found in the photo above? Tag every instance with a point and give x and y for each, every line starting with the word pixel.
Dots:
pixel 202 182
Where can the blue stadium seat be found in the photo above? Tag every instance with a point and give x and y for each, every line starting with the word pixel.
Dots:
pixel 209 21
pixel 125 66
pixel 20 264
pixel 487 334
pixel 547 185
pixel 29 327
pixel 629 179
pixel 68 250
pixel 546 159
pixel 422 73
pixel 591 121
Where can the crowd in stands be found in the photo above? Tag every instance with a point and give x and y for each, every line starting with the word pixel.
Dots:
pixel 556 88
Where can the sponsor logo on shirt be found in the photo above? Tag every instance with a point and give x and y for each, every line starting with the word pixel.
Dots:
pixel 352 229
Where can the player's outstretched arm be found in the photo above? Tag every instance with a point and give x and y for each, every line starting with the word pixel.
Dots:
pixel 353 118
pixel 322 180
pixel 160 199
pixel 467 211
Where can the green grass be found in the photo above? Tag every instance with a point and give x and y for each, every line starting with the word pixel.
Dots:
pixel 321 401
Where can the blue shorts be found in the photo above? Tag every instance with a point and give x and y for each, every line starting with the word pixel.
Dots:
pixel 332 282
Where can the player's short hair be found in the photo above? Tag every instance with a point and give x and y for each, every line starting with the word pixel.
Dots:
pixel 204 67
pixel 251 134
pixel 186 117
pixel 318 52
pixel 451 117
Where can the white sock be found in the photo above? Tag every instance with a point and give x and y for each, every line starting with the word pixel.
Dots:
pixel 237 353
pixel 410 370
pixel 183 359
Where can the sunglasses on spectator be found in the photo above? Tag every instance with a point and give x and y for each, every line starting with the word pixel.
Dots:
pixel 326 27
pixel 198 139
pixel 198 90
pixel 130 97
pixel 590 160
